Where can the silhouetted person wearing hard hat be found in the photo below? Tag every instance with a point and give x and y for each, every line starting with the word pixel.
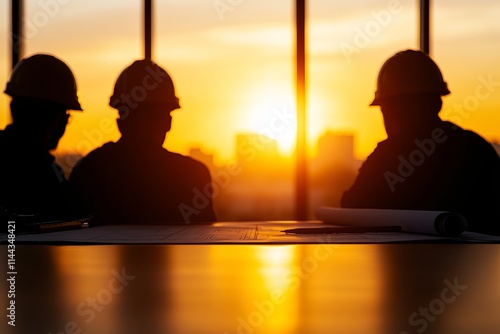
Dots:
pixel 43 89
pixel 136 180
pixel 426 163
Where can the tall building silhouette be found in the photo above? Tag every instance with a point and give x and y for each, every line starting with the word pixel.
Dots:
pixel 207 159
pixel 333 169
pixel 334 148
pixel 255 149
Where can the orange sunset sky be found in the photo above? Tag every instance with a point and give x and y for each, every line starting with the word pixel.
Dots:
pixel 234 69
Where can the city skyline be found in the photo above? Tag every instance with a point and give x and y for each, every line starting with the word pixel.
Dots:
pixel 234 70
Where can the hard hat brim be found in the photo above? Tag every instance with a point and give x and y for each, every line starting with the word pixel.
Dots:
pixel 378 100
pixel 76 107
pixel 375 102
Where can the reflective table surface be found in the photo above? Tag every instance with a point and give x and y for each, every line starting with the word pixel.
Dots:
pixel 226 289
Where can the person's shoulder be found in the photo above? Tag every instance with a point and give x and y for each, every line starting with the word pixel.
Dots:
pixel 96 155
pixel 2 138
pixel 101 151
pixel 185 161
pixel 5 137
pixel 471 140
pixel 465 134
pixel 383 148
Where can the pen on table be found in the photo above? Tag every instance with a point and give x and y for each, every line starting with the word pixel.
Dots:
pixel 52 227
pixel 343 229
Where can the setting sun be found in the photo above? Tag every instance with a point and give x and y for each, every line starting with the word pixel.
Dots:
pixel 224 166
pixel 273 115
pixel 234 73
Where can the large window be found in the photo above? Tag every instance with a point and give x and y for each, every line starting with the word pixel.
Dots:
pixel 232 63
pixel 4 60
pixel 465 45
pixel 348 43
pixel 233 66
pixel 97 39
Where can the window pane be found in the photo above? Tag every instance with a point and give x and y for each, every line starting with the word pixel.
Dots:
pixel 97 39
pixel 348 42
pixel 5 61
pixel 232 66
pixel 466 48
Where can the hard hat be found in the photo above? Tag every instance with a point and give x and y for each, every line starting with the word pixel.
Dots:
pixel 44 77
pixel 409 72
pixel 144 82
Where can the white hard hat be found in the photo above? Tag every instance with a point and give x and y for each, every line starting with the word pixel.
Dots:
pixel 44 77
pixel 409 72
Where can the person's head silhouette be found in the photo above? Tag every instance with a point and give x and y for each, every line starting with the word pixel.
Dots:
pixel 409 90
pixel 43 89
pixel 144 96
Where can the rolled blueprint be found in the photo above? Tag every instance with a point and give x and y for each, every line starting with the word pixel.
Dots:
pixel 442 223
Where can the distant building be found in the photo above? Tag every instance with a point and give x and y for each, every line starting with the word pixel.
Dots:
pixel 256 149
pixel 259 184
pixel 333 170
pixel 262 189
pixel 67 161
pixel 334 148
pixel 208 159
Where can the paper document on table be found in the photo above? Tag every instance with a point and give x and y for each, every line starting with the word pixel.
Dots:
pixel 442 223
pixel 218 233
pixel 231 233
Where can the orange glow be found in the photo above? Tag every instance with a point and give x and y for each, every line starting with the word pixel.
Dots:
pixel 272 114
pixel 274 261
pixel 276 288
pixel 231 72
